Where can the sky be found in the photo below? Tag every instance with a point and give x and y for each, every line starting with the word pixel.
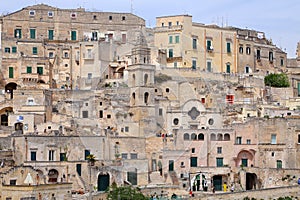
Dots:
pixel 278 19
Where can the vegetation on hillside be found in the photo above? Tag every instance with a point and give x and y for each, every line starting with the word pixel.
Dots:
pixel 277 80
pixel 124 193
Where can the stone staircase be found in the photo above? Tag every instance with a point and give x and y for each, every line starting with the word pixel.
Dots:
pixel 174 178
pixel 156 178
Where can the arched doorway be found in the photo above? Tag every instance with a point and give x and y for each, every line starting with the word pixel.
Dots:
pixel 19 127
pixel 103 182
pixel 10 87
pixel 4 120
pixel 251 181
pixel 53 175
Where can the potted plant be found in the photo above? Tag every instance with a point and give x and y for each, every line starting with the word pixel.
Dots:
pixel 91 158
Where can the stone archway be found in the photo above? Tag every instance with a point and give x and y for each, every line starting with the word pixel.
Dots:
pixel 53 176
pixel 103 182
pixel 10 87
pixel 251 181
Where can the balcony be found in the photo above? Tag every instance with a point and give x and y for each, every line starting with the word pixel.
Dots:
pixel 168 28
pixel 174 59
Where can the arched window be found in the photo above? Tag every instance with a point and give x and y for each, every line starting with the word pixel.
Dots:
pixel 193 136
pixel 248 50
pixel 201 136
pixel 146 97
pixel 145 79
pixel 226 137
pixel 186 136
pixel 175 121
pixel 133 98
pixel 220 137
pixel 213 137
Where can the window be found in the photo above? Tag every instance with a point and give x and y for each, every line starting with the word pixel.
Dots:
pixel 63 157
pixel 14 49
pixel 146 97
pixel 208 66
pixel 258 54
pixel 85 114
pixel 124 38
pixel 31 12
pixel 162 24
pixel 175 65
pixel 29 70
pixel 90 75
pixel 273 139
pixel 219 162
pixel 219 150
pixel 248 141
pixel 101 114
pixel 160 111
pixel 86 153
pixel 211 121
pixel 51 155
pixel 133 156
pixel 10 72
pixel 201 136
pixel 30 101
pixel 108 116
pixel 241 50
pixel 273 154
pixel 34 50
pixel 123 18
pixel 7 50
pixel 170 23
pixel 32 33
pixel 228 45
pixel 100 103
pixel 167 90
pixel 109 17
pixel 175 121
pixel 281 61
pixel 18 33
pixel 271 56
pixel 245 162
pixel 209 45
pixel 248 50
pixel 73 15
pixel 194 161
pixel 279 164
pixel 33 155
pixel 194 64
pixel 170 39
pixel 170 53
pixel 50 34
pixel 126 129
pixel 39 70
pixel 50 14
pixel 228 68
pixel 51 55
pixel 177 39
pixel 238 140
pixel 124 156
pixel 193 150
pixel 12 182
pixel 247 69
pixel 194 43
pixel 66 54
pixel 186 136
pixel 73 35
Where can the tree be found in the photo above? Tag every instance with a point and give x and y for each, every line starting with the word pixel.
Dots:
pixel 124 193
pixel 277 80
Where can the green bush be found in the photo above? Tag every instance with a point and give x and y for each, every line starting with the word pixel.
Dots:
pixel 277 80
pixel 124 193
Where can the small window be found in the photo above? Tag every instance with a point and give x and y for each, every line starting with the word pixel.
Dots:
pixel 86 104
pixel 241 50
pixel 194 43
pixel 160 111
pixel 12 182
pixel 170 53
pixel 228 45
pixel 281 62
pixel 110 17
pixel 193 150
pixel 133 155
pixel 85 114
pixel 273 139
pixel 238 140
pixel 258 54
pixel 162 24
pixel 176 121
pixel 29 69
pixel 194 162
pixel 34 50
pixel 95 17
pixel 126 129
pixel 73 15
pixel 51 55
pixel 177 39
pixel 248 50
pixel 123 18
pixel 279 164
pixel 211 121
pixel 248 141
pixel 273 154
pixel 66 55
pixel 14 49
pixel 219 162
pixel 167 90
pixel 108 116
pixel 51 155
pixel 124 156
pixel 39 70
pixel 271 56
pixel 101 114
pixel 7 50
pixel 33 155
pixel 32 13
pixel 90 75
pixel 50 14
pixel 100 103
pixel 219 150
pixel 170 23
pixel 194 64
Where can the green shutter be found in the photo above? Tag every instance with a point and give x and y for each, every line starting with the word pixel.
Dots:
pixel 228 47
pixel 11 72
pixel 193 161
pixel 171 165
pixel 245 162
pixel 177 39
pixel 34 50
pixel 18 33
pixel 32 33
pixel 298 89
pixel 170 39
pixel 73 35
pixel 14 49
pixel 29 70
pixel 227 68
pixel 50 34
pixel 40 70
pixel 170 53
pixel 219 162
pixel 208 44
